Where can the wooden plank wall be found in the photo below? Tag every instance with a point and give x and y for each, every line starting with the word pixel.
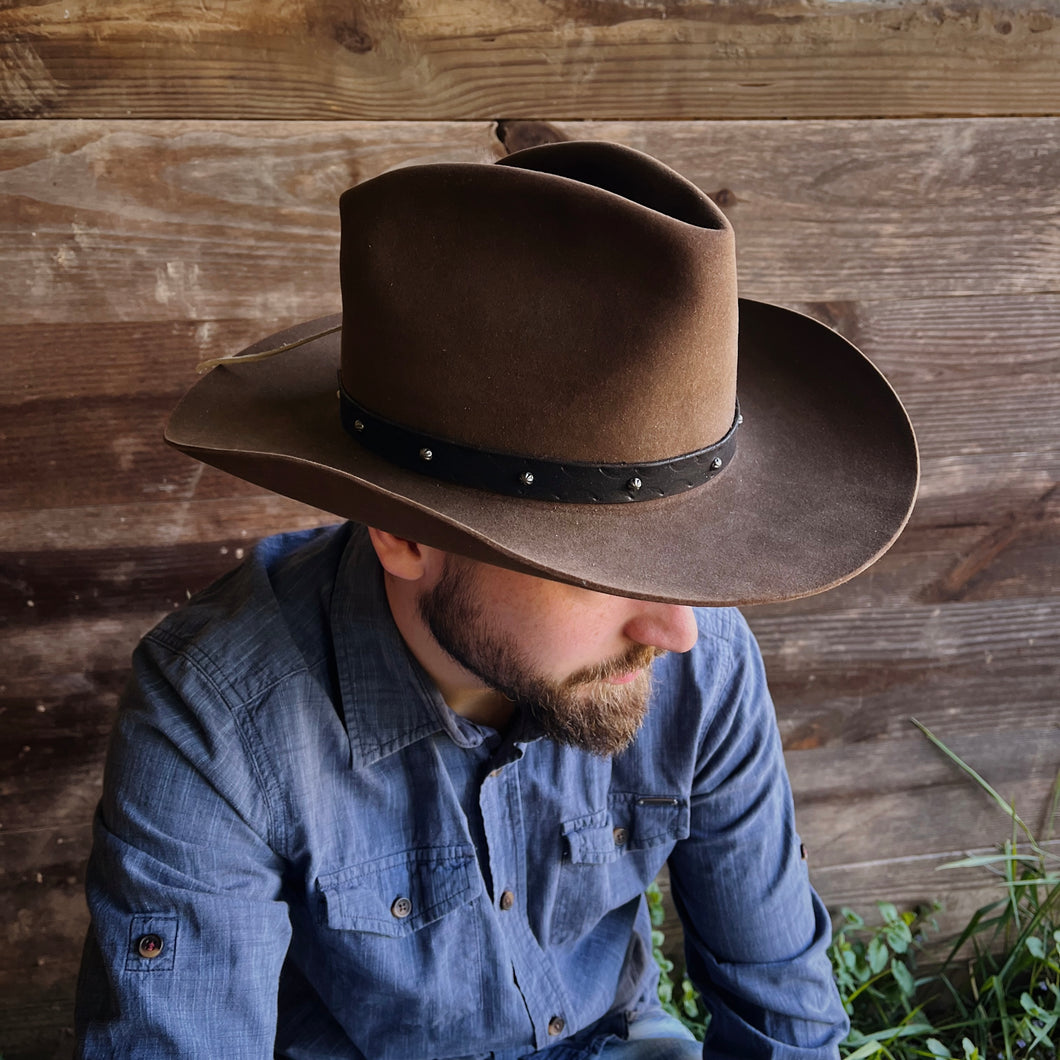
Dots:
pixel 168 183
pixel 437 60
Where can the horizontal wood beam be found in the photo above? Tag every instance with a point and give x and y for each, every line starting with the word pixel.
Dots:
pixel 124 221
pixel 620 59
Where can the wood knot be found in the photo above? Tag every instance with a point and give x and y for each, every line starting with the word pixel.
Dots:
pixel 517 135
pixel 352 37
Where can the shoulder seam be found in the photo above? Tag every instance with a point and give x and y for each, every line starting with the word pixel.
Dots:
pixel 238 708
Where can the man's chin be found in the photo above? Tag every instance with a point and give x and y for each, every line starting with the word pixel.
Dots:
pixel 602 717
pixel 596 743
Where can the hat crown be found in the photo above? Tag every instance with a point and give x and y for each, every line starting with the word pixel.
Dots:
pixel 575 302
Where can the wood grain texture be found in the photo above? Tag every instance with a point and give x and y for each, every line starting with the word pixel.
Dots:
pixel 130 250
pixel 179 221
pixel 624 59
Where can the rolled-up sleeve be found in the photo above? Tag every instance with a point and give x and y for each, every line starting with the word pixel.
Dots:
pixel 188 927
pixel 756 934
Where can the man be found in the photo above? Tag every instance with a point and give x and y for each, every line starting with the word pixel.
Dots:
pixel 397 792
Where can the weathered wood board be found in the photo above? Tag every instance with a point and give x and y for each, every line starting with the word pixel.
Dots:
pixel 129 250
pixel 448 59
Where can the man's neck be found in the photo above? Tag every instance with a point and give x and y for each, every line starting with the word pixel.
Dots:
pixel 462 691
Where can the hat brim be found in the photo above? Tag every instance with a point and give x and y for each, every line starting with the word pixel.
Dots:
pixel 824 477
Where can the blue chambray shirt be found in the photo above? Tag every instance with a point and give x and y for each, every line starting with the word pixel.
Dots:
pixel 301 851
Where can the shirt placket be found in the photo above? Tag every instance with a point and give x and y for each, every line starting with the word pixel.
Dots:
pixel 535 973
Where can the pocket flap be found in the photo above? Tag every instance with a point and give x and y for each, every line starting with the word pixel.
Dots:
pixel 631 822
pixel 591 839
pixel 400 893
pixel 654 819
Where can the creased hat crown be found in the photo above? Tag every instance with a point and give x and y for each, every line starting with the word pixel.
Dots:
pixel 577 302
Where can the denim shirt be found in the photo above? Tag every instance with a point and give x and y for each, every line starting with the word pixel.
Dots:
pixel 302 852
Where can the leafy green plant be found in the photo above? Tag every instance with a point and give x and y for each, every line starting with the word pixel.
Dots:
pixel 996 995
pixel 1004 999
pixel 875 970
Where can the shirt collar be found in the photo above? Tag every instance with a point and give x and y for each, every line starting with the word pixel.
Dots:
pixel 388 700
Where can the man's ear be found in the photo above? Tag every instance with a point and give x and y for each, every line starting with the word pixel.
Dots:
pixel 404 559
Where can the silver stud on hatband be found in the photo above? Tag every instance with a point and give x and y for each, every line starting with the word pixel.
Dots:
pixel 634 484
pixel 358 425
pixel 739 419
pixel 527 478
pixel 716 463
pixel 426 454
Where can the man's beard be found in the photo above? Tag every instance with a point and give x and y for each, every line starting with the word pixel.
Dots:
pixel 583 710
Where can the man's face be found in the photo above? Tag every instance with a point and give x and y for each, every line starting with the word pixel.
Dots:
pixel 576 660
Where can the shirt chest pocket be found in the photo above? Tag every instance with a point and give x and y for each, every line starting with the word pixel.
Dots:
pixel 612 855
pixel 390 934
pixel 399 894
pixel 630 823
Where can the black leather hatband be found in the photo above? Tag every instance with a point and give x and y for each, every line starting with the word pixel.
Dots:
pixel 547 480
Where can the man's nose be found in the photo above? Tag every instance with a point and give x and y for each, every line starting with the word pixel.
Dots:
pixel 671 627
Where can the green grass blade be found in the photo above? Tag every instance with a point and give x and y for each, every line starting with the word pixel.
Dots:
pixel 974 926
pixel 1005 805
pixel 1054 804
pixel 977 860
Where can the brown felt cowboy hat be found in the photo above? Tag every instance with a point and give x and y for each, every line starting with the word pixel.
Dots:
pixel 537 367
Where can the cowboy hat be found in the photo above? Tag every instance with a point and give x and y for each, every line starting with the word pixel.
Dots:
pixel 536 366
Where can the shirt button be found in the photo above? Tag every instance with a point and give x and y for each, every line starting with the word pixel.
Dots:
pixel 507 900
pixel 149 946
pixel 621 836
pixel 556 1025
pixel 401 908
